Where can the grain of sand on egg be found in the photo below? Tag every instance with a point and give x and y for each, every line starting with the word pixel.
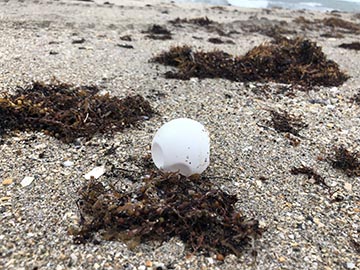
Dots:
pixel 288 152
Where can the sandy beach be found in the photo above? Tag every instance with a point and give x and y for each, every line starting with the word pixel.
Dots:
pixel 311 220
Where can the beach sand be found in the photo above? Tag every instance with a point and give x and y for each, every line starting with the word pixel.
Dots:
pixel 79 42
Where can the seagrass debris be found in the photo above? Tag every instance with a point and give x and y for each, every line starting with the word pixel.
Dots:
pixel 291 61
pixel 343 159
pixel 166 205
pixel 69 112
pixel 283 122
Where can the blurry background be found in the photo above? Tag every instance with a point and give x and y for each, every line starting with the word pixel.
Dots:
pixel 323 5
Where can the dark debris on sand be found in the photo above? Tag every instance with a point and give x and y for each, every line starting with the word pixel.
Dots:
pixel 166 205
pixel 203 22
pixel 351 46
pixel 332 24
pixel 266 27
pixel 311 174
pixel 68 112
pixel 345 160
pixel 356 98
pixel 158 32
pixel 200 21
pixel 282 122
pixel 290 61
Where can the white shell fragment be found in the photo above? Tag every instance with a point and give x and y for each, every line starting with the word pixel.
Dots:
pixel 181 145
pixel 27 181
pixel 95 172
pixel 68 163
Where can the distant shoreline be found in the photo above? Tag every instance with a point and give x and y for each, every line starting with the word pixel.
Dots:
pixel 318 5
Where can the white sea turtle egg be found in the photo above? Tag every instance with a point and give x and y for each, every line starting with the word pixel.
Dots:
pixel 181 145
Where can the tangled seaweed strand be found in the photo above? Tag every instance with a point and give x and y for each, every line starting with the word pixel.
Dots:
pixel 167 205
pixel 69 112
pixel 311 174
pixel 290 61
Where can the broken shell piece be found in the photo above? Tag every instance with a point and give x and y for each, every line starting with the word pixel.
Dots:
pixel 26 181
pixel 95 172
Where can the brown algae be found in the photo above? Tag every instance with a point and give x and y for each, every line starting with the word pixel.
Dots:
pixel 68 112
pixel 166 205
pixel 289 61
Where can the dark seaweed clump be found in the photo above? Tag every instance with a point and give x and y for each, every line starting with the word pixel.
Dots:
pixel 68 112
pixel 346 160
pixel 158 32
pixel 351 46
pixel 166 205
pixel 332 24
pixel 219 41
pixel 290 61
pixel 282 122
pixel 200 21
pixel 264 26
pixel 337 22
pixel 203 22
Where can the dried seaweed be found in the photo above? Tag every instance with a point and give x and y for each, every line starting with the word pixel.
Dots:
pixel 68 112
pixel 351 46
pixel 215 40
pixel 332 34
pixel 290 61
pixel 340 23
pixel 220 41
pixel 345 160
pixel 333 23
pixel 311 174
pixel 282 121
pixel 201 21
pixel 126 38
pixel 78 41
pixel 266 27
pixel 158 32
pixel 166 205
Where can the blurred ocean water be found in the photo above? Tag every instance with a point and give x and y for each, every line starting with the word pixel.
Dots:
pixel 322 5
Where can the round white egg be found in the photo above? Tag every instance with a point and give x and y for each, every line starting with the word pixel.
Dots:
pixel 181 145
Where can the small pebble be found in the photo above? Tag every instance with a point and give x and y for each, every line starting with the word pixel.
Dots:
pixel 7 181
pixel 159 266
pixel 220 257
pixel 348 187
pixel 74 258
pixel 350 265
pixel 68 163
